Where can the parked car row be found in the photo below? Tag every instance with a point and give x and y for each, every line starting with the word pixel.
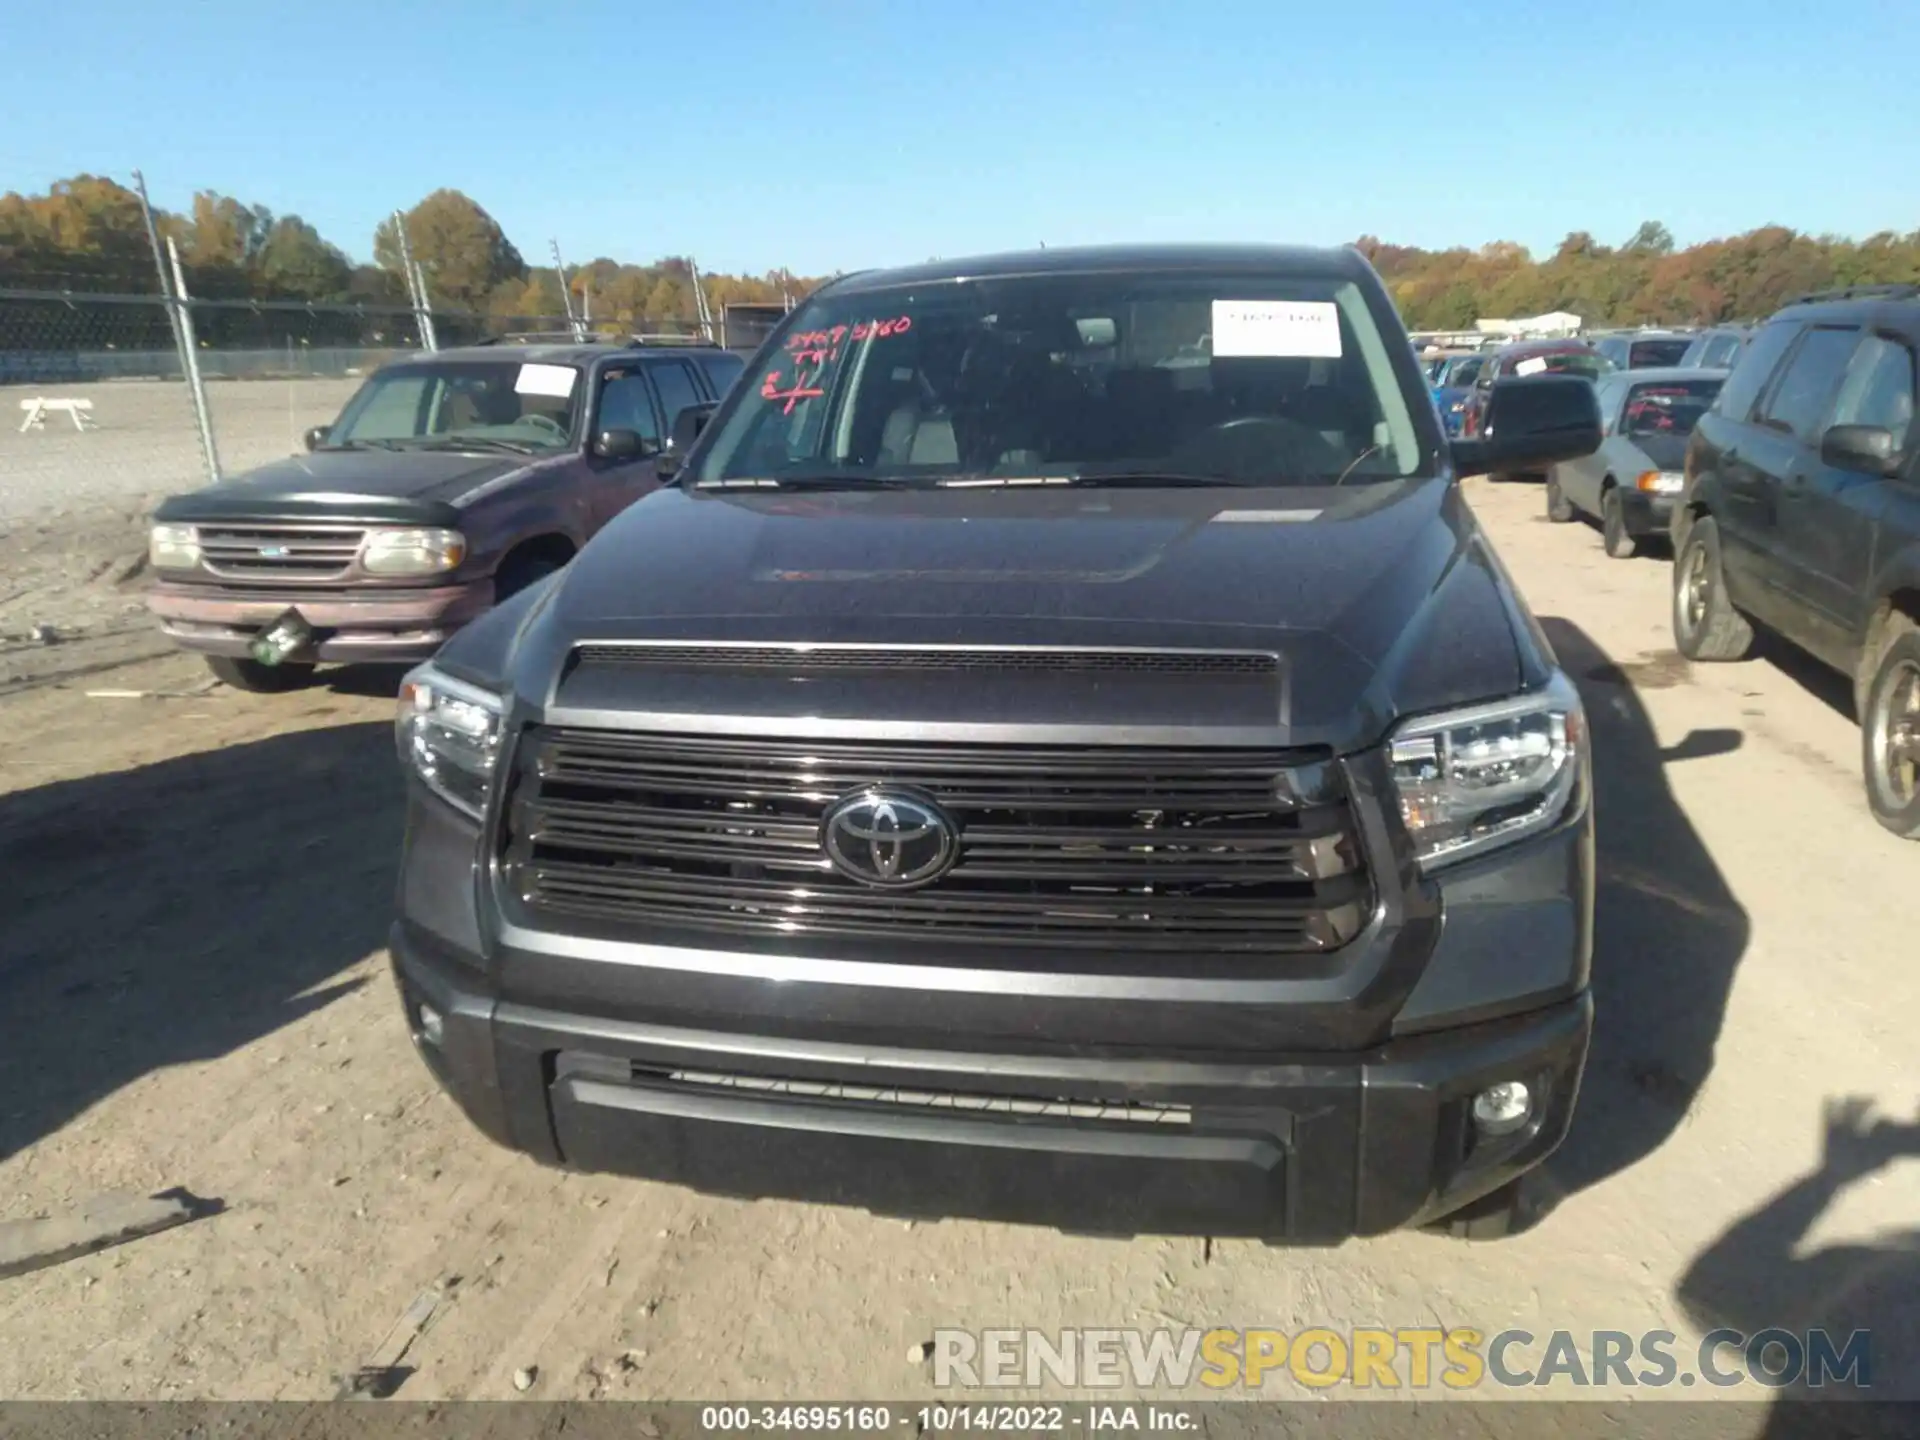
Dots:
pixel 1799 513
pixel 1787 490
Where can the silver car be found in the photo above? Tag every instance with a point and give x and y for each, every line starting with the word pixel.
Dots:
pixel 1629 484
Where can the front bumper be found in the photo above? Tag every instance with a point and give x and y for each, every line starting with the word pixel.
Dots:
pixel 399 626
pixel 1645 513
pixel 1308 1147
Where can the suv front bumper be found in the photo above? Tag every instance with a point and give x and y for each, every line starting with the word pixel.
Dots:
pixel 372 625
pixel 1308 1148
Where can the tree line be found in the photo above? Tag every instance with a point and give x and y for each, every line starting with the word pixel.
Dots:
pixel 1646 280
pixel 88 234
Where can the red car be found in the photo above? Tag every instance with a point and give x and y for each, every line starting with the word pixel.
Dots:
pixel 1529 357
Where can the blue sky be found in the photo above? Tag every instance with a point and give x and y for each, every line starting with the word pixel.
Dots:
pixel 830 136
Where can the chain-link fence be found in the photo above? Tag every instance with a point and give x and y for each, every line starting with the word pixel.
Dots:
pixel 97 407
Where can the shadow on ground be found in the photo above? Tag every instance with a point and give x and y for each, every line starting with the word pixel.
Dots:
pixel 178 911
pixel 1758 1276
pixel 1824 683
pixel 1668 933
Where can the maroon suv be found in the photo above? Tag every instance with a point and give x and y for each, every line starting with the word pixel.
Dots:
pixel 450 481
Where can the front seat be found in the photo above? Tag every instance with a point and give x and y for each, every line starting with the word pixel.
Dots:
pixel 918 432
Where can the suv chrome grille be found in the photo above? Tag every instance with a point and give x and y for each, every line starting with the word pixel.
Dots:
pixel 279 552
pixel 1117 849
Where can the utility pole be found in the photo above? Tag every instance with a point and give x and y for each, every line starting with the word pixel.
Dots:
pixel 574 322
pixel 416 285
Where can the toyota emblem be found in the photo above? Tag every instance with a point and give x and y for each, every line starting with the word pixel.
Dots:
pixel 883 837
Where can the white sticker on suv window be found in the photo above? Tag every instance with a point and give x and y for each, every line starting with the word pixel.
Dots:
pixel 1531 367
pixel 554 380
pixel 1294 329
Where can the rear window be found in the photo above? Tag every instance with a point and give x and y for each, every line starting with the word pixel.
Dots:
pixel 1590 364
pixel 1656 354
pixel 1667 407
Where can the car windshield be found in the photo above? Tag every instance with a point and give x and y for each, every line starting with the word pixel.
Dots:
pixel 1588 364
pixel 1184 377
pixel 1650 354
pixel 1462 372
pixel 1667 407
pixel 482 404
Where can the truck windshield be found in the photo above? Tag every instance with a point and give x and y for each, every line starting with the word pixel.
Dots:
pixel 1248 379
pixel 484 404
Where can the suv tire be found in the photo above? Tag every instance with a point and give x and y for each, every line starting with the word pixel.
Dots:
pixel 1613 526
pixel 1559 508
pixel 1890 729
pixel 520 571
pixel 258 679
pixel 1705 624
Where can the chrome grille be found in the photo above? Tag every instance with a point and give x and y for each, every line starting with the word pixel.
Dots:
pixel 1121 849
pixel 279 552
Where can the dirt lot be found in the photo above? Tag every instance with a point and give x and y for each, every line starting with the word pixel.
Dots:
pixel 192 993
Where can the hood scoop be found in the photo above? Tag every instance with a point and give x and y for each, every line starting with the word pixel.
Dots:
pixel 807 660
pixel 792 689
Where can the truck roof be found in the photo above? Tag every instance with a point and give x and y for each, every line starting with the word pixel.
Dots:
pixel 1332 263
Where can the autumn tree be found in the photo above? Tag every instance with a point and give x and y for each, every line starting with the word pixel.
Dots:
pixel 463 251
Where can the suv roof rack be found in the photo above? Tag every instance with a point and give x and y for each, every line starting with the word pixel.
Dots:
pixel 1904 291
pixel 569 337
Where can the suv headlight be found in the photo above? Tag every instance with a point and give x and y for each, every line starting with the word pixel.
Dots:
pixel 1472 780
pixel 412 552
pixel 448 733
pixel 173 547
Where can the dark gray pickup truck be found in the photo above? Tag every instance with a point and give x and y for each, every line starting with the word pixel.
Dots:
pixel 1060 748
pixel 450 481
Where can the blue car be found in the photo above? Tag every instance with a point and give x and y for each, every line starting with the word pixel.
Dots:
pixel 1452 381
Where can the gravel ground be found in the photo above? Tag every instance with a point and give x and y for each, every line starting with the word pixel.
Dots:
pixel 192 994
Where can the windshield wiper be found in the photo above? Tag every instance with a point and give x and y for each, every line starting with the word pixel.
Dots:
pixel 1137 479
pixel 364 445
pixel 478 442
pixel 811 482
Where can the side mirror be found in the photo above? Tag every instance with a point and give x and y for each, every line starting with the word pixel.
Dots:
pixel 619 445
pixel 1868 449
pixel 316 437
pixel 687 426
pixel 1531 421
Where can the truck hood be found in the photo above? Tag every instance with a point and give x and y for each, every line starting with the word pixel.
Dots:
pixel 1377 600
pixel 419 485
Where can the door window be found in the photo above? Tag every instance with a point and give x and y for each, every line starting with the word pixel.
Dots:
pixel 1800 399
pixel 626 405
pixel 1756 366
pixel 1878 388
pixel 677 388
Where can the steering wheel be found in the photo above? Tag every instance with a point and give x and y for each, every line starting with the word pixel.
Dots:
pixel 544 422
pixel 1253 447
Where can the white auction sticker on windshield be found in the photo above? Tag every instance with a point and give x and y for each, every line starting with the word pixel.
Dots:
pixel 1272 329
pixel 1531 367
pixel 554 380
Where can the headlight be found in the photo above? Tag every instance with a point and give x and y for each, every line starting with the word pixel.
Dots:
pixel 173 547
pixel 1660 482
pixel 1472 780
pixel 412 552
pixel 449 735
